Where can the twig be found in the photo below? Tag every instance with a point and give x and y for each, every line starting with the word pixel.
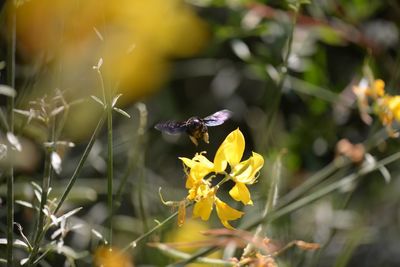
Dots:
pixel 10 107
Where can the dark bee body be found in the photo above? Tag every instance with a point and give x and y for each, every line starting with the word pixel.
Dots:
pixel 195 127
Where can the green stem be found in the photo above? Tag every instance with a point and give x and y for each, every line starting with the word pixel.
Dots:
pixel 313 180
pixel 282 76
pixel 133 244
pixel 78 169
pixel 327 190
pixel 107 95
pixel 182 255
pixel 40 228
pixel 72 180
pixel 10 107
pixel 110 169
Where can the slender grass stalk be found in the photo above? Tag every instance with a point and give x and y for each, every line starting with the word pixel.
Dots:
pixel 40 227
pixel 78 169
pixel 327 190
pixel 314 180
pixel 282 73
pixel 71 183
pixel 134 243
pixel 10 108
pixel 136 160
pixel 182 255
pixel 110 170
pixel 107 100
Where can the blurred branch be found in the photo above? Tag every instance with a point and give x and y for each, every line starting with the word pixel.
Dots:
pixel 10 108
pixel 181 255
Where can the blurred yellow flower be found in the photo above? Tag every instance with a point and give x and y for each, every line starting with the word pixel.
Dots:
pixel 388 109
pixel 135 39
pixel 188 236
pixel 111 257
pixel 198 182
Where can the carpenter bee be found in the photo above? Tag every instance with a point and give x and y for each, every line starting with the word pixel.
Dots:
pixel 195 127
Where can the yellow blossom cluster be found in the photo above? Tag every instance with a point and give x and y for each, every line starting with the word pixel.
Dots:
pixel 111 257
pixel 201 172
pixel 385 106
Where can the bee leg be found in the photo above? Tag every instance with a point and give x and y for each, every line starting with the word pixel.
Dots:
pixel 194 140
pixel 206 137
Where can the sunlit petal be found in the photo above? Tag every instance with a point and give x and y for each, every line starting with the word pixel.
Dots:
pixel 241 193
pixel 202 160
pixel 226 213
pixel 203 207
pixel 188 162
pixel 230 151
pixel 245 172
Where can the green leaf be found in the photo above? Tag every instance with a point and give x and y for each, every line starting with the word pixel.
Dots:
pixel 95 98
pixel 7 91
pixel 115 99
pixel 122 112
pixel 17 243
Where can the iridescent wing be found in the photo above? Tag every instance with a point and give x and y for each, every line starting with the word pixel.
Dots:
pixel 218 118
pixel 171 127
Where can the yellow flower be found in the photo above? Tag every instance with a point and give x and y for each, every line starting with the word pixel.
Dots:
pixel 378 88
pixel 393 104
pixel 199 166
pixel 226 213
pixel 111 257
pixel 205 205
pixel 242 173
pixel 388 110
pixel 188 236
pixel 137 41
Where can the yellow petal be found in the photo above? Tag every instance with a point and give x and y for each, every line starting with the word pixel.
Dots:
pixel 226 213
pixel 188 162
pixel 394 106
pixel 203 208
pixel 202 160
pixel 230 151
pixel 245 171
pixel 240 193
pixel 379 87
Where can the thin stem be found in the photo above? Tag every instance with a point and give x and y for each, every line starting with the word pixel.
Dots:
pixel 10 107
pixel 182 255
pixel 40 228
pixel 78 169
pixel 108 102
pixel 282 73
pixel 133 244
pixel 327 190
pixel 313 180
pixel 110 169
pixel 72 180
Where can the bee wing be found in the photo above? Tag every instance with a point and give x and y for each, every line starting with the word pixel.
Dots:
pixel 171 127
pixel 218 118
